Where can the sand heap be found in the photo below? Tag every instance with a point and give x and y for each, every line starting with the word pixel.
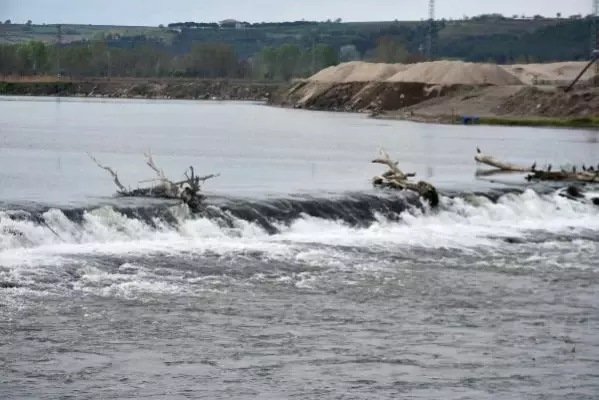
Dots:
pixel 358 71
pixel 435 72
pixel 335 73
pixel 559 72
pixel 377 87
pixel 456 73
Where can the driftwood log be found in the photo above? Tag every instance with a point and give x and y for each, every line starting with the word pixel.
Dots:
pixel 583 174
pixel 395 178
pixel 188 190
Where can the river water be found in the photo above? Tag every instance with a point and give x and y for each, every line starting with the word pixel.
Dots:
pixel 298 280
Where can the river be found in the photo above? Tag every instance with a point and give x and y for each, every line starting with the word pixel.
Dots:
pixel 300 280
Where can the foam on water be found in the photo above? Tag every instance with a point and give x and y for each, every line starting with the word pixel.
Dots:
pixel 462 223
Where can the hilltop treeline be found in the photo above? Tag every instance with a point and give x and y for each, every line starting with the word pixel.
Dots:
pixel 483 38
pixel 231 24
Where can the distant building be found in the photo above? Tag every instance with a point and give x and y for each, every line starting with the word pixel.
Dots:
pixel 232 23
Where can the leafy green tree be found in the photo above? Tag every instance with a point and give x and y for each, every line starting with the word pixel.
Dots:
pixel 348 52
pixel 288 56
pixel 390 50
pixel 265 63
pixel 325 56
pixel 211 60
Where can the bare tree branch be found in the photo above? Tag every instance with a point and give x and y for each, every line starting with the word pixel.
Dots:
pixel 397 179
pixel 385 160
pixel 188 191
pixel 207 177
pixel 150 163
pixel 112 172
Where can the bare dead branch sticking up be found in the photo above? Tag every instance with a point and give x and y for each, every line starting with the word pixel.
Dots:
pixel 188 191
pixel 395 178
pixel 112 172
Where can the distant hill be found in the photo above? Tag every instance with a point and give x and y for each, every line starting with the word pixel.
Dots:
pixel 483 38
pixel 19 33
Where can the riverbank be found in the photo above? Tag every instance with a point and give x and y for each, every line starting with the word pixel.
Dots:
pixel 556 122
pixel 508 105
pixel 454 92
pixel 167 88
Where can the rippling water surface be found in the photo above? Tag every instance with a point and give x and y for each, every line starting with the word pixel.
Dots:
pixel 298 280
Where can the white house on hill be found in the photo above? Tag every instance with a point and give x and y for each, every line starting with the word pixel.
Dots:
pixel 232 22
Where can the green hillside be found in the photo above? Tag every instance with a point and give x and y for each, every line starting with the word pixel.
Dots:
pixel 20 33
pixel 285 49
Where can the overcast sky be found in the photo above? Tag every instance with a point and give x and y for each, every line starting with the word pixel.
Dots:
pixel 155 12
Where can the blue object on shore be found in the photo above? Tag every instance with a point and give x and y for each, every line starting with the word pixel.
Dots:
pixel 468 120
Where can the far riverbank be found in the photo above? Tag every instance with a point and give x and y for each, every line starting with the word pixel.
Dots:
pixel 459 104
pixel 145 88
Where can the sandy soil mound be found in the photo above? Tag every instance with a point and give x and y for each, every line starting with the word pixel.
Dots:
pixel 357 71
pixel 559 72
pixel 370 72
pixel 533 101
pixel 456 72
pixel 335 73
pixel 435 72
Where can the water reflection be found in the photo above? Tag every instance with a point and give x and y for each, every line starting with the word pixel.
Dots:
pixel 592 136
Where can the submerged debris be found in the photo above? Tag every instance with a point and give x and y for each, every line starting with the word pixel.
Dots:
pixel 188 190
pixel 396 179
pixel 581 175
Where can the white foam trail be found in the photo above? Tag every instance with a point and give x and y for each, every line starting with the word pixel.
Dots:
pixel 462 224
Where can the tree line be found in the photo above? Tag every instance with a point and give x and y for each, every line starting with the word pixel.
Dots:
pixel 484 38
pixel 147 59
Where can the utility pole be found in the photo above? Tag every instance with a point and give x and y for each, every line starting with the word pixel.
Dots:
pixel 594 16
pixel 313 54
pixel 431 22
pixel 58 45
pixel 594 23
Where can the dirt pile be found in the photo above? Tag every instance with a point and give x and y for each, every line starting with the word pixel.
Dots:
pixel 504 101
pixel 147 88
pixel 456 73
pixel 360 96
pixel 435 72
pixel 447 89
pixel 357 71
pixel 551 73
pixel 532 101
pixel 362 86
pixel 477 101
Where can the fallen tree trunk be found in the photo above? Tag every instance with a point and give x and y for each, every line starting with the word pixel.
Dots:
pixel 397 179
pixel 188 191
pixel 563 176
pixel 584 175
pixel 503 166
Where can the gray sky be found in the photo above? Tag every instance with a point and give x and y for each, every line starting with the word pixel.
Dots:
pixel 155 12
